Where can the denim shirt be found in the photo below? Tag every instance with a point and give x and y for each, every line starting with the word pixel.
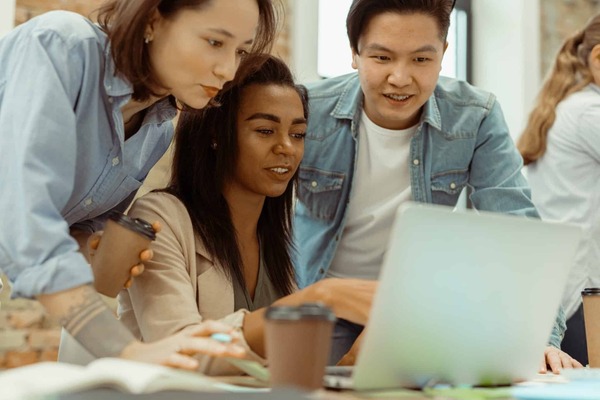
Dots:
pixel 64 159
pixel 461 140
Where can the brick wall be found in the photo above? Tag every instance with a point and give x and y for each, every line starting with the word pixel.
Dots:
pixel 558 20
pixel 27 9
pixel 27 334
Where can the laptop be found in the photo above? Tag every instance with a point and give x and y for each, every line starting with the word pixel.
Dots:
pixel 464 298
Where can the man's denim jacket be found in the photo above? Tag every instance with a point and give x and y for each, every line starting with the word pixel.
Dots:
pixel 462 140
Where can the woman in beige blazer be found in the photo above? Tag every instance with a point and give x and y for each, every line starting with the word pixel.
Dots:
pixel 224 250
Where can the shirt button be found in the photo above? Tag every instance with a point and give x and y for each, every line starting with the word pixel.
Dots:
pixel 115 161
pixel 321 271
pixel 87 202
pixel 416 161
pixel 314 184
pixel 110 100
pixel 453 185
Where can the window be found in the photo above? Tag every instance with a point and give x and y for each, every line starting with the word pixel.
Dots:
pixel 334 56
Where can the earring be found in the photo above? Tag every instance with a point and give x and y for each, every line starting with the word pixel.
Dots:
pixel 213 145
pixel 146 40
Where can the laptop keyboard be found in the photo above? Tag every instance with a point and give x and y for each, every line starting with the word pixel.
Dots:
pixel 344 371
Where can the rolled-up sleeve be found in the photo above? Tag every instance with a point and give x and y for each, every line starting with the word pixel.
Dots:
pixel 558 330
pixel 38 142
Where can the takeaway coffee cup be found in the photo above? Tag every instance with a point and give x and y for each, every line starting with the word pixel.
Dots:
pixel 297 342
pixel 123 240
pixel 591 315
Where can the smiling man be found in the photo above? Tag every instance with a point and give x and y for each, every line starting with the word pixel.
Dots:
pixel 396 131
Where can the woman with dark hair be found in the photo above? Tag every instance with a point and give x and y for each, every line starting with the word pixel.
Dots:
pixel 224 252
pixel 85 112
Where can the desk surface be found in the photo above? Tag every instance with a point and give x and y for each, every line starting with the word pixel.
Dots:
pixel 110 394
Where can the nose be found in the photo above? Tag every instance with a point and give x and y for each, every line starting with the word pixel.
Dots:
pixel 284 146
pixel 226 67
pixel 400 76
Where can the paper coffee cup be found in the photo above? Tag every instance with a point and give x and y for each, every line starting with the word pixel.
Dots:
pixel 591 315
pixel 297 342
pixel 123 240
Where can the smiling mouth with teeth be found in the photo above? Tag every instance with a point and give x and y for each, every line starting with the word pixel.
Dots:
pixel 279 170
pixel 397 97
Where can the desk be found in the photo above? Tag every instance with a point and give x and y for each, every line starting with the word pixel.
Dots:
pixel 109 394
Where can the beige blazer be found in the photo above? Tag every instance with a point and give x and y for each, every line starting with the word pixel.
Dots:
pixel 181 285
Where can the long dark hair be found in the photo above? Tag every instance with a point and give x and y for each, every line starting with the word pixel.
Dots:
pixel 200 171
pixel 125 22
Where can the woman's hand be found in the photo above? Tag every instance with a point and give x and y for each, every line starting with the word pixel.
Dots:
pixel 178 350
pixel 557 360
pixel 94 241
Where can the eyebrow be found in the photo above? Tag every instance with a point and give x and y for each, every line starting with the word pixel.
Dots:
pixel 379 47
pixel 228 34
pixel 274 118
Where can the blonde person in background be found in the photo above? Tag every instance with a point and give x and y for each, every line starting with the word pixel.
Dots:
pixel 561 146
pixel 85 112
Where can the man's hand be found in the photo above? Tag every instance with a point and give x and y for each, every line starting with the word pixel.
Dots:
pixel 178 350
pixel 557 360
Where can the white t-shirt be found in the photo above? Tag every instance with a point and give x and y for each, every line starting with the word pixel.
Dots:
pixel 381 183
pixel 565 184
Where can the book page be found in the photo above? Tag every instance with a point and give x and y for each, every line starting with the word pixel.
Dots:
pixel 136 377
pixel 46 377
pixel 127 376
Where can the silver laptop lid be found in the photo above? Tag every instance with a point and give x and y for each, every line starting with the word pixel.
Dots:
pixel 464 298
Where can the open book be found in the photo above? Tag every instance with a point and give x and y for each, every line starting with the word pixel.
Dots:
pixel 126 376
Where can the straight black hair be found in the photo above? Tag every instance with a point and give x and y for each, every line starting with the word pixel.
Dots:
pixel 200 170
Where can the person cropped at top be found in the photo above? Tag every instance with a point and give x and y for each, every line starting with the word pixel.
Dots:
pixel 224 252
pixel 85 112
pixel 561 148
pixel 396 131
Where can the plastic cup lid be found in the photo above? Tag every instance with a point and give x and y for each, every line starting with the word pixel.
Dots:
pixel 590 291
pixel 311 311
pixel 137 225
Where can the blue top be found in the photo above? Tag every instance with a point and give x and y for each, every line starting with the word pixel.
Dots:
pixel 64 160
pixel 461 140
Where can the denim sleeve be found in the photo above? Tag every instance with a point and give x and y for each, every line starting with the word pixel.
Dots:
pixel 495 173
pixel 558 330
pixel 42 79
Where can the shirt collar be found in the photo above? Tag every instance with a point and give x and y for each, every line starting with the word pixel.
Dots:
pixel 115 84
pixel 160 112
pixel 350 100
pixel 352 97
pixel 431 112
